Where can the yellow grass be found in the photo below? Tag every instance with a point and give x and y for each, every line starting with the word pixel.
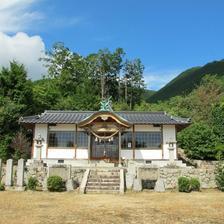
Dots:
pixel 145 207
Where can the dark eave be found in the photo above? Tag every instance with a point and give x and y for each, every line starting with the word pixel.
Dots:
pixel 76 117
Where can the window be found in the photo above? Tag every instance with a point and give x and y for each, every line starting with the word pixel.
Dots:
pixel 126 140
pixel 82 139
pixel 62 139
pixel 148 140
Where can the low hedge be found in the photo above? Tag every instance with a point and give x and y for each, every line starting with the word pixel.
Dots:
pixel 220 177
pixel 195 184
pixel 188 184
pixel 55 184
pixel 184 184
pixel 32 183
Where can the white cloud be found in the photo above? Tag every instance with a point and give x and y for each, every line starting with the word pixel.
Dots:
pixel 156 79
pixel 17 15
pixel 24 49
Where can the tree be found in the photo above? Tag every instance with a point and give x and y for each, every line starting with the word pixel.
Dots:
pixel 21 145
pixel 16 100
pixel 105 69
pixel 198 141
pixel 133 82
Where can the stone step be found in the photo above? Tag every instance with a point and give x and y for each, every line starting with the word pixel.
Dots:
pixel 105 170
pixel 102 187
pixel 102 191
pixel 104 176
pixel 111 180
pixel 104 181
pixel 103 184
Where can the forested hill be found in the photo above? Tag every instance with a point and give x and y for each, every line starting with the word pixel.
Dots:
pixel 185 82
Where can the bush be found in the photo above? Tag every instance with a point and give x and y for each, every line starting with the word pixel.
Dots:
pixel 55 183
pixel 194 184
pixel 32 183
pixel 198 141
pixel 184 184
pixel 2 187
pixel 220 177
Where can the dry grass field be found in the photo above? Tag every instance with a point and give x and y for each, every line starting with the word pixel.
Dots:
pixel 145 207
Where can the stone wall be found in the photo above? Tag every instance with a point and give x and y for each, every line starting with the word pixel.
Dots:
pixel 205 172
pixel 170 176
pixel 36 169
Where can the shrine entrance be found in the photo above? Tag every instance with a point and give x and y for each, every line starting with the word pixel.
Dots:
pixel 104 128
pixel 106 149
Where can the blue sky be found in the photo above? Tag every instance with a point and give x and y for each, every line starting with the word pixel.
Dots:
pixel 167 35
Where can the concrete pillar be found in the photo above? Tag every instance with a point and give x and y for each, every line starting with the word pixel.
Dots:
pixel 20 174
pixel 9 173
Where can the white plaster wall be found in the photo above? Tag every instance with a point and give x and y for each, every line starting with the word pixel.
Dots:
pixel 61 153
pixel 82 154
pixel 40 129
pixel 148 154
pixel 169 135
pixel 127 154
pixel 63 127
pixel 146 128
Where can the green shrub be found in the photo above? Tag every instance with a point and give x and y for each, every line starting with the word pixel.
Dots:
pixel 32 183
pixel 2 187
pixel 184 184
pixel 55 183
pixel 194 184
pixel 220 177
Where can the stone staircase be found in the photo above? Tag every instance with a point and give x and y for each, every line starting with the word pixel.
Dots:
pixel 102 180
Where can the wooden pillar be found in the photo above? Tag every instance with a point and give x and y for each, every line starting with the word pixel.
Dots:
pixel 133 141
pixel 89 145
pixel 162 141
pixel 76 141
pixel 47 141
pixel 119 148
pixel 33 143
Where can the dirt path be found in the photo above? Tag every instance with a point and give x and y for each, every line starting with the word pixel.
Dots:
pixel 145 207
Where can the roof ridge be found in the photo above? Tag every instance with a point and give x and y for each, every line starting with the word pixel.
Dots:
pixel 68 111
pixel 89 111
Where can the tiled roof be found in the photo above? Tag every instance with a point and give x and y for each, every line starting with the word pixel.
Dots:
pixel 74 117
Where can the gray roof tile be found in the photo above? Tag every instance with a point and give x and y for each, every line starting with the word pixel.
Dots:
pixel 73 117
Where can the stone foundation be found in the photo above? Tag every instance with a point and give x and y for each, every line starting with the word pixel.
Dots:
pixel 135 173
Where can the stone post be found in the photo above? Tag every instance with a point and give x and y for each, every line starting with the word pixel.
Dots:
pixel 171 155
pixel 9 173
pixel 20 175
pixel 0 170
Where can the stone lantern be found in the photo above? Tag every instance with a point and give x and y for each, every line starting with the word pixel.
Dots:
pixel 39 143
pixel 171 150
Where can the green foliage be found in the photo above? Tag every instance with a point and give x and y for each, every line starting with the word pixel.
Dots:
pixel 32 183
pixel 198 141
pixel 184 184
pixel 2 187
pixel 5 150
pixel 194 184
pixel 217 121
pixel 55 183
pixel 220 176
pixel 187 81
